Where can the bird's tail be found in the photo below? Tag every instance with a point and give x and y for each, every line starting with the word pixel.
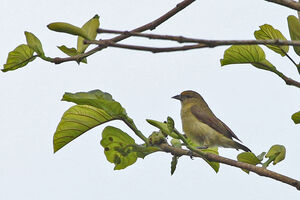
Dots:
pixel 240 146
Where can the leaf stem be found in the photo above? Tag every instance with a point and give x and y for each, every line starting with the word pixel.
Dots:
pixel 268 162
pixel 287 55
pixel 190 147
pixel 129 122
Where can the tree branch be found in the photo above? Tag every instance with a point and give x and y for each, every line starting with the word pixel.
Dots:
pixel 206 43
pixel 149 26
pixel 216 158
pixel 288 3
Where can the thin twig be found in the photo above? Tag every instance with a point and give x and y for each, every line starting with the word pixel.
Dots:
pixel 288 3
pixel 216 158
pixel 108 43
pixel 149 26
pixel 206 43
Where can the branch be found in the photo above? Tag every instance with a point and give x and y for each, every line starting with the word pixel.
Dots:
pixel 205 43
pixel 149 26
pixel 216 158
pixel 288 3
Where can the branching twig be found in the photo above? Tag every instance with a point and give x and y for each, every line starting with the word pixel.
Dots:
pixel 149 26
pixel 216 158
pixel 201 43
pixel 204 42
pixel 288 3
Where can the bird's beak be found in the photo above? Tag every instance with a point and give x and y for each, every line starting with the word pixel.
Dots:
pixel 178 97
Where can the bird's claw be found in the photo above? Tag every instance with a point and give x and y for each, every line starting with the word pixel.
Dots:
pixel 190 153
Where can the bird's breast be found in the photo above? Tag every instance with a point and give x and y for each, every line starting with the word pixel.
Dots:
pixel 199 132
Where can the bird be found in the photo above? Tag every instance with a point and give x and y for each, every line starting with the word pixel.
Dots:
pixel 202 127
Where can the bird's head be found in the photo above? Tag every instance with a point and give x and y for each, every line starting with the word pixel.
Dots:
pixel 189 97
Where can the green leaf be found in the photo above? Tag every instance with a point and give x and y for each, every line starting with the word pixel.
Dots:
pixel 170 124
pixel 214 165
pixel 98 99
pixel 276 153
pixel 163 127
pixel 68 28
pixel 267 32
pixel 296 117
pixel 176 143
pixel 252 54
pixel 261 156
pixel 90 28
pixel 118 147
pixel 174 164
pixel 157 138
pixel 294 29
pixel 34 43
pixel 238 54
pixel 70 52
pixel 18 58
pixel 76 121
pixel 248 157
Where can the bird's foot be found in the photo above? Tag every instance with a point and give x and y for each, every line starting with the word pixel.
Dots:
pixel 190 153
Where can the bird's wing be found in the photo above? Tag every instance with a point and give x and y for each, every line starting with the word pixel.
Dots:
pixel 213 122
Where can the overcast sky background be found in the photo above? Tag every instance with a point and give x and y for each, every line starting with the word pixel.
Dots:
pixel 255 104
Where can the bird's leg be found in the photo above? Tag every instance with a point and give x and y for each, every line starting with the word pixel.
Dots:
pixel 202 147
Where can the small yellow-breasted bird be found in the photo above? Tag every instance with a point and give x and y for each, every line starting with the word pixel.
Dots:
pixel 201 126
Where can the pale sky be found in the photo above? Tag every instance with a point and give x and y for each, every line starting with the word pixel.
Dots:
pixel 255 104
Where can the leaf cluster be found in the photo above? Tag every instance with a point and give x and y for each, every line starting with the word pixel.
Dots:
pixel 24 53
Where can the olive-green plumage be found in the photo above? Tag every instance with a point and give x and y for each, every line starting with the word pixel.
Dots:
pixel 201 126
